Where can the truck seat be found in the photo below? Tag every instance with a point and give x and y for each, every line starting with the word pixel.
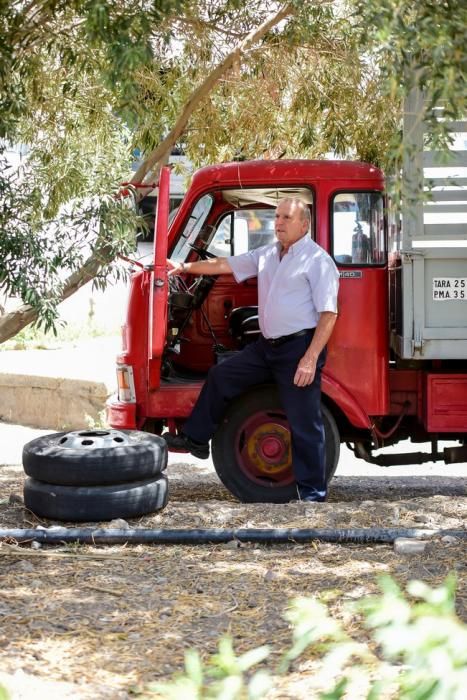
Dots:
pixel 243 324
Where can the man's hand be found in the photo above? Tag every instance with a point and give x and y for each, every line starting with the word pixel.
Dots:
pixel 174 268
pixel 306 370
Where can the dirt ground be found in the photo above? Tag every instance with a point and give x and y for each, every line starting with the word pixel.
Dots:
pixel 100 622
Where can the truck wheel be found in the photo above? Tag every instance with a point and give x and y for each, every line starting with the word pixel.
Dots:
pixel 251 449
pixel 95 503
pixel 94 457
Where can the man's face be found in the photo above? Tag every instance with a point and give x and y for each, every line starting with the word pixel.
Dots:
pixel 290 225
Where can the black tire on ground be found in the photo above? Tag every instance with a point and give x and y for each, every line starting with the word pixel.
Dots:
pixel 95 503
pixel 251 448
pixel 95 457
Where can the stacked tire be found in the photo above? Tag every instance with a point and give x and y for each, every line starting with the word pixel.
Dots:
pixel 94 475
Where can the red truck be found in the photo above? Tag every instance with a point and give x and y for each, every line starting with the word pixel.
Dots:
pixel 397 360
pixel 395 370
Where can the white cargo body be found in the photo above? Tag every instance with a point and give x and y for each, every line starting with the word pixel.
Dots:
pixel 429 270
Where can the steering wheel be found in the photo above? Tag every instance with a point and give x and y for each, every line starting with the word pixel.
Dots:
pixel 203 254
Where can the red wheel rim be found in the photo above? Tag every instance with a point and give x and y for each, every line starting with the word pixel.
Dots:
pixel 263 449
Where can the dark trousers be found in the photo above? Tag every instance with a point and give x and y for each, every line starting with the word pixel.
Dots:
pixel 260 363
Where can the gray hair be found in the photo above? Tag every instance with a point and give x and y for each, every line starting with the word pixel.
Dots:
pixel 303 207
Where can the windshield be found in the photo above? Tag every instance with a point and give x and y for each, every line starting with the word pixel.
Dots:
pixel 192 228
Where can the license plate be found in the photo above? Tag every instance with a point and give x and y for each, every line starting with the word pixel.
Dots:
pixel 450 288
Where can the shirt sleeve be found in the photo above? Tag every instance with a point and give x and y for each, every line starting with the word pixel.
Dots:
pixel 244 266
pixel 324 282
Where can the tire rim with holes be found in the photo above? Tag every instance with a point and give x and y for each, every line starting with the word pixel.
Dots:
pixel 92 439
pixel 263 448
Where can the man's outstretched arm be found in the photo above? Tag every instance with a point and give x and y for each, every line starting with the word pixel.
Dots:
pixel 213 266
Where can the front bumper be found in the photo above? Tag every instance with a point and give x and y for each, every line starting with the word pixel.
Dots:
pixel 120 414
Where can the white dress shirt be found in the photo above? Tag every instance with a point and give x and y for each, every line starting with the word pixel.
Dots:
pixel 292 292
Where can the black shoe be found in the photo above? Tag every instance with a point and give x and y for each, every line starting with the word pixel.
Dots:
pixel 313 497
pixel 183 443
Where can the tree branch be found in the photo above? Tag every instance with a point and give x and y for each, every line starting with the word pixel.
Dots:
pixel 148 167
pixel 12 323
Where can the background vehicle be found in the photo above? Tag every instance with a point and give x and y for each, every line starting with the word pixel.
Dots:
pixel 397 362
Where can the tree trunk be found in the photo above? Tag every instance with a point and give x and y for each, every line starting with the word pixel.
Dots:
pixel 12 323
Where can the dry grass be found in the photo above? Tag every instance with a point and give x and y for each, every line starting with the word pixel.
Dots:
pixel 96 621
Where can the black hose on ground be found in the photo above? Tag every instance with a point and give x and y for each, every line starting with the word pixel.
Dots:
pixel 59 535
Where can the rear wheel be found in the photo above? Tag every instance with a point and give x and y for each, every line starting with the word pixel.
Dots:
pixel 251 450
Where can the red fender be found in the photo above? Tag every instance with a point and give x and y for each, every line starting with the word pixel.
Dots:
pixel 346 402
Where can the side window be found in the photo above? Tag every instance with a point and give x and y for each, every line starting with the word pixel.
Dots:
pixel 192 228
pixel 221 243
pixel 259 229
pixel 243 230
pixel 358 228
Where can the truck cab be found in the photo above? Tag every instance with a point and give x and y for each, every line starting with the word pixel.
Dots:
pixel 176 328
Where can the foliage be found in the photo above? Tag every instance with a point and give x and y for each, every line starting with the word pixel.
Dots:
pixel 227 677
pixel 425 642
pixel 66 77
pixel 421 652
pixel 419 44
pixel 422 46
pixel 38 243
pixel 309 74
pixel 85 83
pixel 70 38
pixel 71 90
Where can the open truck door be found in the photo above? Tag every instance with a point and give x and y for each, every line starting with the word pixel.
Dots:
pixel 159 289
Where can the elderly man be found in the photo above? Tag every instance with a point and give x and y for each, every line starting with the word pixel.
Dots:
pixel 297 302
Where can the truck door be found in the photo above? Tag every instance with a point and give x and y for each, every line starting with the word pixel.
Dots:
pixel 358 351
pixel 159 284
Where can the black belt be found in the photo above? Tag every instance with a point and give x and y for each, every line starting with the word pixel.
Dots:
pixel 284 338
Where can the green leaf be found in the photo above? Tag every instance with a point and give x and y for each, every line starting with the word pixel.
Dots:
pixel 441 598
pixel 229 688
pixel 253 657
pixel 194 667
pixel 260 684
pixel 178 689
pixel 337 692
pixel 225 660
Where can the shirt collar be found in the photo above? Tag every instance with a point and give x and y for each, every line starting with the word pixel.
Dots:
pixel 296 247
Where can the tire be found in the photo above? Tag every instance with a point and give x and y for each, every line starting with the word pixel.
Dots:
pixel 251 448
pixel 95 503
pixel 95 457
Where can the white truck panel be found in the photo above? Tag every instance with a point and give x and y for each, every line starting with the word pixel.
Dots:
pixel 433 245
